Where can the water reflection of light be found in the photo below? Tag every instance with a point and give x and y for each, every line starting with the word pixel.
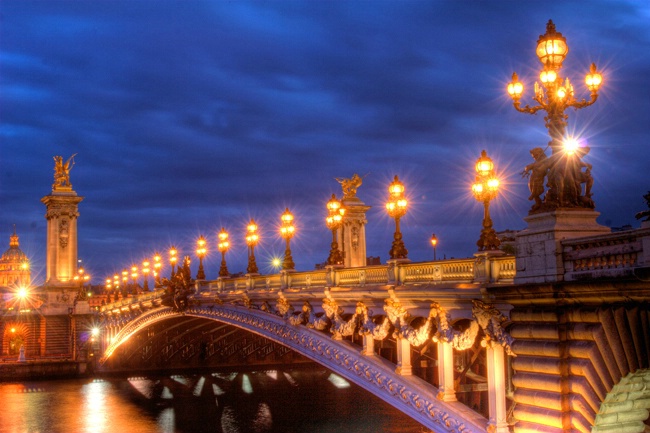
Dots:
pixel 246 384
pixel 229 376
pixel 273 374
pixel 338 381
pixel 167 420
pixel 290 379
pixel 181 379
pixel 263 420
pixel 229 423
pixel 96 414
pixel 217 390
pixel 199 387
pixel 142 385
pixel 166 394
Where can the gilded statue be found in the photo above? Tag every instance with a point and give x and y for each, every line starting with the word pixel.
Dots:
pixel 350 186
pixel 62 171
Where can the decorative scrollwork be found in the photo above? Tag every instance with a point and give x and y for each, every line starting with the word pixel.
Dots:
pixel 340 327
pixel 368 326
pixel 283 307
pixel 446 333
pixel 490 319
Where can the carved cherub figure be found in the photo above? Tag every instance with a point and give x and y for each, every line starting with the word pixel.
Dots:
pixel 537 171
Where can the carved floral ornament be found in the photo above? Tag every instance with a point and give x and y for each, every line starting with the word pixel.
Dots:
pixel 396 319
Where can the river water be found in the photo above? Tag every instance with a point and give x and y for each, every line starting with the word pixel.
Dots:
pixel 291 401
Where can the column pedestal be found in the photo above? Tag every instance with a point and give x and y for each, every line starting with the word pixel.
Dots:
pixel 539 248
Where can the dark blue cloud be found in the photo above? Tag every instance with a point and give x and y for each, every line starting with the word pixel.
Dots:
pixel 190 116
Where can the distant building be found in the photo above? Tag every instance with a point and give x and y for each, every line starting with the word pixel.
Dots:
pixel 372 261
pixel 14 265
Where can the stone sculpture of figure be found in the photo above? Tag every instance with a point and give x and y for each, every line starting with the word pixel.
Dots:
pixel 350 186
pixel 537 172
pixel 585 177
pixel 21 356
pixel 645 213
pixel 62 171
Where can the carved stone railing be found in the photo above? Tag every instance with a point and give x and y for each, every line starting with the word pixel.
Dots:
pixel 148 299
pixel 502 270
pixel 613 255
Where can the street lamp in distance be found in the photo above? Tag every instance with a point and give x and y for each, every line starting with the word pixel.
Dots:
pixel 223 246
pixel 434 244
pixel 396 208
pixel 286 231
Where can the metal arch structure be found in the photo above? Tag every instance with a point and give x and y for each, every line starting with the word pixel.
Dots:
pixel 409 394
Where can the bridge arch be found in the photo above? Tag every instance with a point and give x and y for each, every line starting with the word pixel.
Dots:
pixel 376 375
pixel 627 405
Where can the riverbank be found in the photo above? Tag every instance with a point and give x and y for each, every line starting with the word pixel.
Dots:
pixel 43 369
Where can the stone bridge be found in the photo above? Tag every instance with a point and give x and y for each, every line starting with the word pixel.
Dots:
pixel 458 345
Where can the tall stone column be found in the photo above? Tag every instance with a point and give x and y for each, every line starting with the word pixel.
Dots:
pixel 61 214
pixel 352 235
pixel 496 388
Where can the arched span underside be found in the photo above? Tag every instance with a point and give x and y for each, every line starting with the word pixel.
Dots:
pixel 376 375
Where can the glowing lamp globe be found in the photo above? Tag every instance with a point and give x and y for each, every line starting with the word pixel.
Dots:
pixel 552 47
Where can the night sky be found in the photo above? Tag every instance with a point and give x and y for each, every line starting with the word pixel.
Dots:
pixel 189 116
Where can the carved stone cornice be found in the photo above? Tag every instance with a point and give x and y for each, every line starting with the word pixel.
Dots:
pixel 61 205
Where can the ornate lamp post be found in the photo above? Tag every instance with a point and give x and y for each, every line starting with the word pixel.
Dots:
pixel 251 240
pixel 116 285
pixel 134 275
pixel 334 220
pixel 157 264
pixel 125 280
pixel 200 252
pixel 396 208
pixel 145 272
pixel 564 168
pixel 223 247
pixel 286 231
pixel 81 278
pixel 485 188
pixel 173 258
pixel 434 244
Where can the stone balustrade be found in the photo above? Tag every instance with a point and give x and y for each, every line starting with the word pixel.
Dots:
pixel 617 254
pixel 404 275
pixel 393 274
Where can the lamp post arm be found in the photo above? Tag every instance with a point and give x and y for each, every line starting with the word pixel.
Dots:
pixel 528 109
pixel 584 103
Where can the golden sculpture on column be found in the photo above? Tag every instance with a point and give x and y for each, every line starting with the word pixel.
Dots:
pixel 62 213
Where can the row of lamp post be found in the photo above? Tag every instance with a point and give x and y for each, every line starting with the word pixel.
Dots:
pixel 484 189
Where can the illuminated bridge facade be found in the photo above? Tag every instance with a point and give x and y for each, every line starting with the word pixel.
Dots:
pixel 458 345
